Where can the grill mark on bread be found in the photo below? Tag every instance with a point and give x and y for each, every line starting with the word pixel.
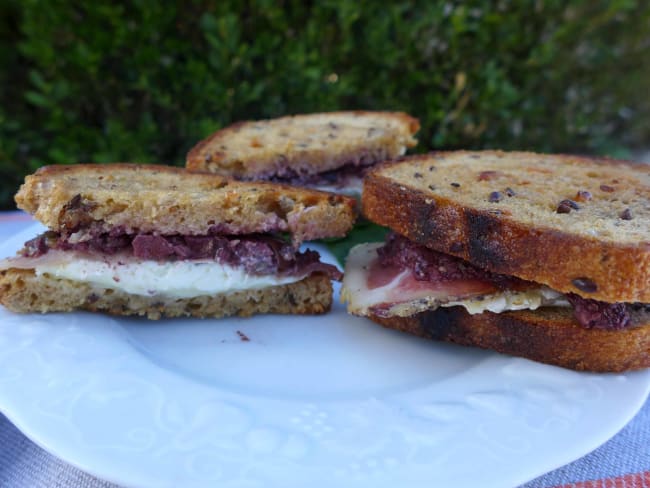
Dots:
pixel 439 324
pixel 425 223
pixel 483 250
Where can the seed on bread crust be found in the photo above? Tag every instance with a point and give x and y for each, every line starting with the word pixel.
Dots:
pixel 626 214
pixel 489 175
pixel 566 206
pixel 585 284
pixel 495 197
pixel 583 196
pixel 607 188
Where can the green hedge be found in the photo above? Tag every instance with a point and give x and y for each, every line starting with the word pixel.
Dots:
pixel 143 81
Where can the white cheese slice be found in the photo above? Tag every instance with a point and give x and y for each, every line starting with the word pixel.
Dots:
pixel 175 279
pixel 353 186
pixel 396 299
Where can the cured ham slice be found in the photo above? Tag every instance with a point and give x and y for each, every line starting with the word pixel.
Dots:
pixel 401 278
pixel 369 286
pixel 258 255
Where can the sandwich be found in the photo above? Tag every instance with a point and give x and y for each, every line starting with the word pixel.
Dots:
pixel 327 151
pixel 158 241
pixel 545 257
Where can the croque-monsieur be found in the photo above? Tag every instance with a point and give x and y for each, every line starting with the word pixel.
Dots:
pixel 541 256
pixel 328 151
pixel 159 241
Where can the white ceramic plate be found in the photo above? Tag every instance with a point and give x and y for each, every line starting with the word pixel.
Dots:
pixel 306 401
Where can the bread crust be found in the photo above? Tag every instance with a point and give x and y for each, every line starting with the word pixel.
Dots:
pixel 305 144
pixel 548 335
pixel 490 236
pixel 21 290
pixel 121 197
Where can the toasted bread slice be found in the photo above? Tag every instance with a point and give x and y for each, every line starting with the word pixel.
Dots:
pixel 21 290
pixel 547 335
pixel 302 145
pixel 129 198
pixel 576 224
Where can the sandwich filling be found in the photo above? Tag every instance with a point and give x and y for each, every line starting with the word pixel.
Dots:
pixel 402 278
pixel 173 266
pixel 346 177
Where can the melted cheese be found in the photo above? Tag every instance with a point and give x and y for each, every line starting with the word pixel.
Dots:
pixel 395 299
pixel 176 279
pixel 352 187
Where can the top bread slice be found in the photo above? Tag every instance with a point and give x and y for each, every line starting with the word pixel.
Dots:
pixel 90 199
pixel 304 145
pixel 576 224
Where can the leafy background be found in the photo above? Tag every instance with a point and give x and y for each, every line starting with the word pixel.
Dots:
pixel 143 81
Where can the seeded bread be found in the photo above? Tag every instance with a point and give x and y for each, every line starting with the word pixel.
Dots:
pixel 547 335
pixel 576 224
pixel 22 291
pixel 128 198
pixel 304 144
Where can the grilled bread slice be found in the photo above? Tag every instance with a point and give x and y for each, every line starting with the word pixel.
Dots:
pixel 576 224
pixel 294 148
pixel 21 290
pixel 547 335
pixel 92 198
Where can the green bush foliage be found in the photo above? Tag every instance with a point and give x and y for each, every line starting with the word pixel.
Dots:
pixel 143 81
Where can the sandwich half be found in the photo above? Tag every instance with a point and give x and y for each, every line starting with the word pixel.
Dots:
pixel 546 257
pixel 158 241
pixel 328 151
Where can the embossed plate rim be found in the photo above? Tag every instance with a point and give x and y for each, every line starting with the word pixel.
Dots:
pixel 73 401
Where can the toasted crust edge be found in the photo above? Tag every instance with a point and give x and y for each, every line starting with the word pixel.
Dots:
pixel 23 292
pixel 496 243
pixel 54 169
pixel 550 337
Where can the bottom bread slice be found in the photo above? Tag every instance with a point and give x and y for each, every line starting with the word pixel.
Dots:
pixel 22 291
pixel 547 335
